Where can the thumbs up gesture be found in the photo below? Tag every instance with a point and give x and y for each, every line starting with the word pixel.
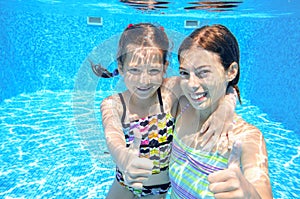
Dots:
pixel 137 170
pixel 230 183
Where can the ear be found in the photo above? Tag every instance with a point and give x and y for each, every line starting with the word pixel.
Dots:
pixel 232 71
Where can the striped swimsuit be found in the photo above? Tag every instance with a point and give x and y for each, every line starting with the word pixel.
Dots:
pixel 189 169
pixel 157 137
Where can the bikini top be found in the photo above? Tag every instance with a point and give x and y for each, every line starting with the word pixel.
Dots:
pixel 157 135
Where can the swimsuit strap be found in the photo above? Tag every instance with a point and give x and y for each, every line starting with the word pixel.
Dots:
pixel 160 100
pixel 124 105
pixel 124 108
pixel 184 108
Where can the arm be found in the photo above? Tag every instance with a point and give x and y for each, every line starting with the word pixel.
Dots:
pixel 254 161
pixel 111 114
pixel 171 92
pixel 250 182
pixel 136 170
pixel 219 124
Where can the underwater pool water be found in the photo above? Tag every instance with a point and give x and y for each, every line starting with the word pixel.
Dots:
pixel 43 155
pixel 52 143
pixel 46 152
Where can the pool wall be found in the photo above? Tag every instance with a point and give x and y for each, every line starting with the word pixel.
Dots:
pixel 42 51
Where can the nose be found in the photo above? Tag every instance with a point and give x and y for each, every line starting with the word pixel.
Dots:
pixel 145 78
pixel 193 82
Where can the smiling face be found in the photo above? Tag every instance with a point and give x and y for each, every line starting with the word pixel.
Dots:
pixel 143 72
pixel 203 78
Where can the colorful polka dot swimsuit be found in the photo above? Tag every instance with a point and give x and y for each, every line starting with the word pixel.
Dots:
pixel 157 136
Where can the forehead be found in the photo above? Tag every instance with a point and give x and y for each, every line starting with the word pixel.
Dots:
pixel 195 57
pixel 144 56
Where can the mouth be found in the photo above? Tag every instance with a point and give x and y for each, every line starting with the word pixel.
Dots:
pixel 143 89
pixel 199 97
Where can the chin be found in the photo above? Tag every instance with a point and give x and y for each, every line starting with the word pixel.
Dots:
pixel 200 107
pixel 145 96
pixel 205 105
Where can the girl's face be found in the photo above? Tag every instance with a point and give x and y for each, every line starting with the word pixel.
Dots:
pixel 203 78
pixel 143 72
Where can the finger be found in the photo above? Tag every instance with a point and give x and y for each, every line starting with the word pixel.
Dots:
pixel 228 127
pixel 234 159
pixel 221 145
pixel 236 194
pixel 211 142
pixel 143 164
pixel 208 147
pixel 220 176
pixel 139 167
pixel 224 146
pixel 136 179
pixel 135 145
pixel 205 126
pixel 220 187
pixel 137 174
pixel 136 185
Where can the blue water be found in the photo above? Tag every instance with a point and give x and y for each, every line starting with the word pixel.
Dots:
pixel 52 146
pixel 52 143
pixel 42 153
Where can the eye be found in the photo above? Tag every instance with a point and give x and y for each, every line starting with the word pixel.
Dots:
pixel 134 71
pixel 184 74
pixel 154 71
pixel 202 73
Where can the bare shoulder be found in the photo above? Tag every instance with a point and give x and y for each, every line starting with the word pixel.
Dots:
pixel 253 146
pixel 112 99
pixel 112 103
pixel 245 131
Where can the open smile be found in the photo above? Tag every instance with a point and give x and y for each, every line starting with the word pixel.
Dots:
pixel 199 97
pixel 144 89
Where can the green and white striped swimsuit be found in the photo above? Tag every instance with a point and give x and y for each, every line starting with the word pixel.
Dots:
pixel 189 169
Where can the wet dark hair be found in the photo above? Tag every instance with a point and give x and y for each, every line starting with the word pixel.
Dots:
pixel 136 35
pixel 103 72
pixel 142 35
pixel 218 39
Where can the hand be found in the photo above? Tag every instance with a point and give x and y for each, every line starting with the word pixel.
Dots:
pixel 218 127
pixel 216 132
pixel 230 183
pixel 138 169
